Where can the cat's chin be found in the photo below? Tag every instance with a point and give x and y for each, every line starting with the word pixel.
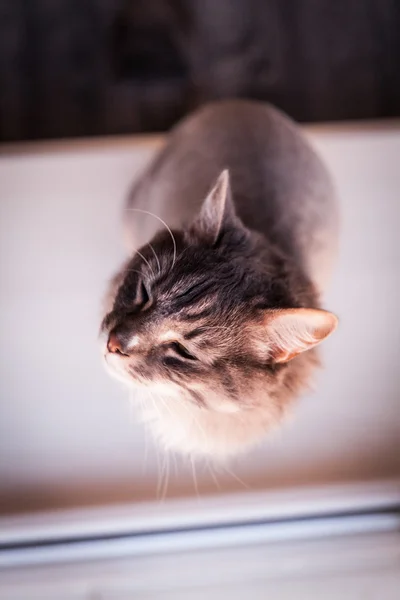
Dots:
pixel 112 367
pixel 182 427
pixel 222 429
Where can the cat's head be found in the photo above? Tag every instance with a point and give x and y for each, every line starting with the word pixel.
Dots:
pixel 206 320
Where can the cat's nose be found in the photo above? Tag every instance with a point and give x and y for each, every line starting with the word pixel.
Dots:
pixel 114 344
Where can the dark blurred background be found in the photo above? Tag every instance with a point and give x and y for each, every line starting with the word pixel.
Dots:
pixel 97 67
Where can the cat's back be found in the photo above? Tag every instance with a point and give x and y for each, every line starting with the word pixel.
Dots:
pixel 280 186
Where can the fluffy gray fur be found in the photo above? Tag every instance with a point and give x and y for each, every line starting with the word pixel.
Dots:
pixel 217 315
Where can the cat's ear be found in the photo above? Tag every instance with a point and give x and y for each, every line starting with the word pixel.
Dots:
pixel 217 211
pixel 289 332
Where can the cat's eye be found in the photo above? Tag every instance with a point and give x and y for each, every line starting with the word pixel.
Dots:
pixel 142 294
pixel 181 351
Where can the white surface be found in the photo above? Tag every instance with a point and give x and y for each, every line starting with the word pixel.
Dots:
pixel 66 433
pixel 345 567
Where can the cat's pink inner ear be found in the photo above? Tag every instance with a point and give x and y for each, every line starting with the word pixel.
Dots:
pixel 217 210
pixel 292 331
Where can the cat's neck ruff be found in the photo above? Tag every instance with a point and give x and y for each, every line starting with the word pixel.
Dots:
pixel 180 425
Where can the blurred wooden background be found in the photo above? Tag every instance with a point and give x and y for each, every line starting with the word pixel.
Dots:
pixel 96 67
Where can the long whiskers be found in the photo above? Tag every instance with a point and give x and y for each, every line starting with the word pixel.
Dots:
pixel 196 487
pixel 147 212
pixel 135 271
pixel 232 474
pixel 213 474
pixel 164 469
pixel 156 257
pixel 164 487
pixel 194 419
pixel 146 261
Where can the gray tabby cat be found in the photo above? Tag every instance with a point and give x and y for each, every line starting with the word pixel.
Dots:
pixel 218 314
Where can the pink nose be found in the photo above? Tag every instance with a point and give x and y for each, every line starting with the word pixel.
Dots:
pixel 113 344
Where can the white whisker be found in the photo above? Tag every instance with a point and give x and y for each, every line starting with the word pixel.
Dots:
pixel 213 474
pixel 194 477
pixel 146 261
pixel 175 463
pixel 164 404
pixel 159 464
pixel 156 408
pixel 146 448
pixel 164 488
pixel 232 474
pixel 161 478
pixel 194 419
pixel 146 212
pixel 135 271
pixel 156 257
pixel 159 473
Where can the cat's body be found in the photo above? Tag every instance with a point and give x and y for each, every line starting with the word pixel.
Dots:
pixel 219 319
pixel 280 186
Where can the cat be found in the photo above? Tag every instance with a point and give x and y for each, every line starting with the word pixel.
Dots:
pixel 217 315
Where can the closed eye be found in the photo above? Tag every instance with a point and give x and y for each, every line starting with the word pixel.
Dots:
pixel 181 351
pixel 142 294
